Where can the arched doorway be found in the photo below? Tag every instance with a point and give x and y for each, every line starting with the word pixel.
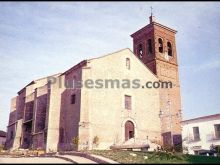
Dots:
pixel 129 130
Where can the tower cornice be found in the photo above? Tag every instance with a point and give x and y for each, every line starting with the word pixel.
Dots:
pixel 147 27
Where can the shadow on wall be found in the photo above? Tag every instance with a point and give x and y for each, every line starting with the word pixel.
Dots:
pixel 69 120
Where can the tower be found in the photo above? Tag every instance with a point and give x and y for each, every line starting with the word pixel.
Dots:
pixel 155 46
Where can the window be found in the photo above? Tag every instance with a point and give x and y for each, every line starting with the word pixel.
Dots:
pixel 127 102
pixel 127 63
pixel 160 41
pixel 73 99
pixel 217 131
pixel 196 133
pixel 140 51
pixel 12 135
pixel 169 48
pixel 149 46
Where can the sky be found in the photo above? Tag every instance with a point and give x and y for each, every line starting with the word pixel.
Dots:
pixel 38 39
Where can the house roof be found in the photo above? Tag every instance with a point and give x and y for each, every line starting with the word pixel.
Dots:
pixel 2 133
pixel 202 118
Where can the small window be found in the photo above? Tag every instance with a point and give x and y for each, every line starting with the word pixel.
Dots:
pixel 160 41
pixel 217 131
pixel 140 51
pixel 127 102
pixel 149 46
pixel 73 99
pixel 196 133
pixel 169 49
pixel 128 63
pixel 12 135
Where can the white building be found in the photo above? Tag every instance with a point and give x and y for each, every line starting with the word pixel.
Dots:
pixel 200 133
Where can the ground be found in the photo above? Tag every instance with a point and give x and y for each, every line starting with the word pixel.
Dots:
pixel 31 160
pixel 124 157
pixel 143 157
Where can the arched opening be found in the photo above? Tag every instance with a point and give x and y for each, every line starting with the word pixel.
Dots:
pixel 169 48
pixel 160 41
pixel 149 46
pixel 128 65
pixel 140 51
pixel 129 130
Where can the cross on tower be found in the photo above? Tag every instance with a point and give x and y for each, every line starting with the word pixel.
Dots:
pixel 151 9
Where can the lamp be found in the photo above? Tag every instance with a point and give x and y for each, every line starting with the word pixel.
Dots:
pixel 160 113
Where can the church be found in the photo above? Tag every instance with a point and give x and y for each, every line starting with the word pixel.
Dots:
pixel 51 116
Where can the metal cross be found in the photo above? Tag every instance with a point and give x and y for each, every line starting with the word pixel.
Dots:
pixel 151 8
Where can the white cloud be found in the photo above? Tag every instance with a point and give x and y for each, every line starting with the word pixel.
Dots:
pixel 203 66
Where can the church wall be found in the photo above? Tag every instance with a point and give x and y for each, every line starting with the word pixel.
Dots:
pixel 70 112
pixel 105 113
pixel 53 116
pixel 39 118
pixel 11 130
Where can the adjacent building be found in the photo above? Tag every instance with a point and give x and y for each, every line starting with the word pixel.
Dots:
pixel 200 134
pixel 53 116
pixel 2 138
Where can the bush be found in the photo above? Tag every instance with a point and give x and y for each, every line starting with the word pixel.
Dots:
pixel 96 141
pixel 1 147
pixel 218 151
pixel 168 148
pixel 171 148
pixel 178 147
pixel 165 156
pixel 75 142
pixel 217 148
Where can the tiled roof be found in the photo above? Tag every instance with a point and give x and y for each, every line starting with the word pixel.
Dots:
pixel 203 117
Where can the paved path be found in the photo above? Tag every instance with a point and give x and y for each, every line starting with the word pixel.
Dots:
pixel 45 160
pixel 79 159
pixel 105 159
pixel 32 160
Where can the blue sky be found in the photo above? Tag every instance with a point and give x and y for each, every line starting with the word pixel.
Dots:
pixel 39 39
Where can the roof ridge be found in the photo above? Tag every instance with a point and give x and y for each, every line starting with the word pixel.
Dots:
pixel 202 117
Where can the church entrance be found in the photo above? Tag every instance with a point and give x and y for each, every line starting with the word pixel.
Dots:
pixel 129 130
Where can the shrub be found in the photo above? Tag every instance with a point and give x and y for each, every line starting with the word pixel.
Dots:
pixel 168 148
pixel 217 148
pixel 95 141
pixel 75 142
pixel 178 147
pixel 165 156
pixel 1 147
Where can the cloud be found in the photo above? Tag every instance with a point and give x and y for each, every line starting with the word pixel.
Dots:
pixel 203 66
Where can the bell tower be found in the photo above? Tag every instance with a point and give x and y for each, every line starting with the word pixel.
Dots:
pixel 155 46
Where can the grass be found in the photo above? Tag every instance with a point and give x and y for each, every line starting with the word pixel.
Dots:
pixel 125 157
